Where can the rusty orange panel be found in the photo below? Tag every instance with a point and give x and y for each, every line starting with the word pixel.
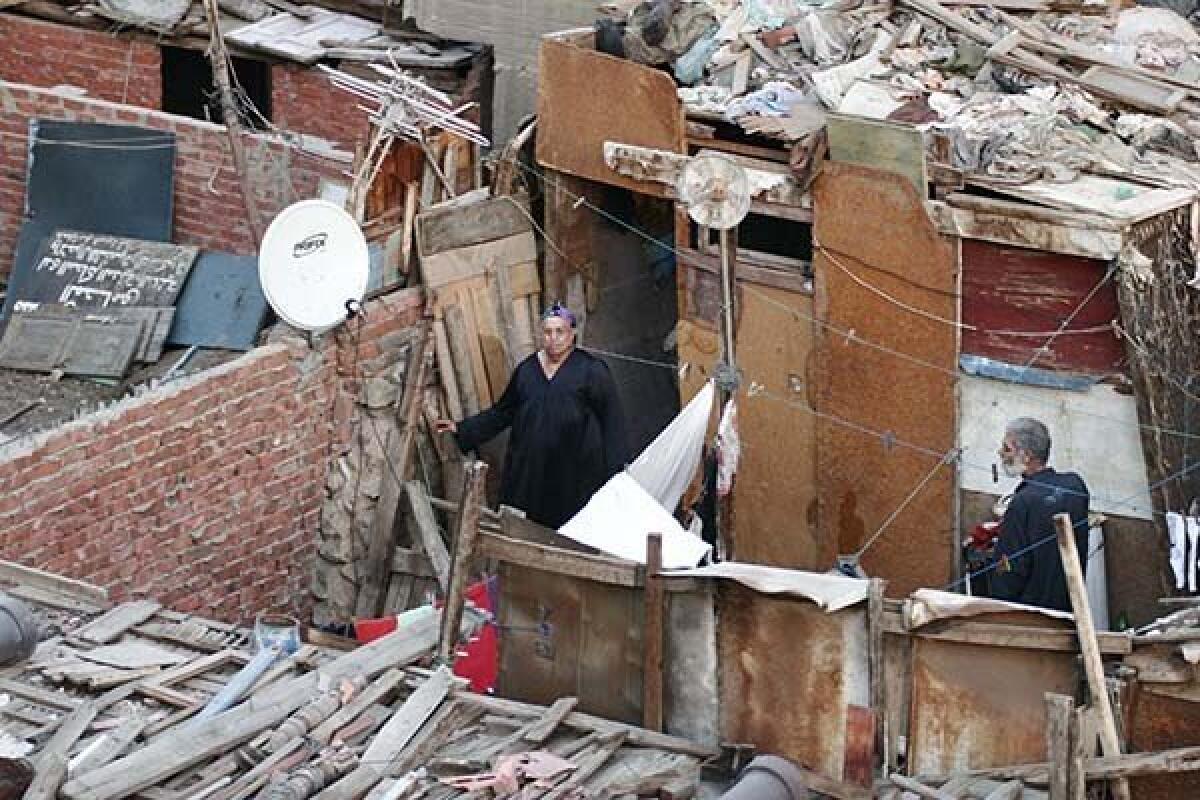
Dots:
pixel 788 673
pixel 1164 723
pixel 586 98
pixel 774 499
pixel 876 252
pixel 976 706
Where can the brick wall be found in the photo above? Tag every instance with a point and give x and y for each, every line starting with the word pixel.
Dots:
pixel 303 99
pixel 208 209
pixel 206 493
pixel 122 69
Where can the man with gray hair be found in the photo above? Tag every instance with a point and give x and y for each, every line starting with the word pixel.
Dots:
pixel 1029 569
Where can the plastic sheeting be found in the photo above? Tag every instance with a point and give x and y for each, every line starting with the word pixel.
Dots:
pixel 668 464
pixel 622 514
pixel 929 605
pixel 830 592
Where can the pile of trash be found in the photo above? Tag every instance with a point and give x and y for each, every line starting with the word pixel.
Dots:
pixel 1018 95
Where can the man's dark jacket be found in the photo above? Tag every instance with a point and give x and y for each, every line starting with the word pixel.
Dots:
pixel 1029 568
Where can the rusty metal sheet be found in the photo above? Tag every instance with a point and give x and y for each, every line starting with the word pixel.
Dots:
pixel 562 636
pixel 788 673
pixel 586 98
pixel 1017 289
pixel 1163 723
pixel 978 706
pixel 870 227
pixel 774 503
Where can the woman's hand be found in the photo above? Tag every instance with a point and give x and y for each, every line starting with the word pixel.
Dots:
pixel 445 426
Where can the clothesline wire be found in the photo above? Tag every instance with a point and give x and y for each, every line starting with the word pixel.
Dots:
pixel 848 335
pixel 1154 487
pixel 917 490
pixel 1061 330
pixel 1045 347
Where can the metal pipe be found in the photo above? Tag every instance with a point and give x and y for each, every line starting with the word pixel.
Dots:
pixel 769 778
pixel 18 631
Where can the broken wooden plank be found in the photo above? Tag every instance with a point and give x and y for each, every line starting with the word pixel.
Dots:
pixel 600 568
pixel 1063 641
pixel 587 722
pixel 112 625
pixel 189 745
pixel 384 684
pixel 107 746
pixel 428 534
pixel 543 728
pixel 42 697
pixel 462 358
pixel 381 539
pixel 21 575
pixel 466 530
pixel 918 788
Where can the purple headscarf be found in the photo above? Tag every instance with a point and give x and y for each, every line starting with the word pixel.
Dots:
pixel 560 311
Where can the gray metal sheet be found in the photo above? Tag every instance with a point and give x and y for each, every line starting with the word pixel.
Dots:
pixel 222 304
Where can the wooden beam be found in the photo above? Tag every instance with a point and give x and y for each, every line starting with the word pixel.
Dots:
pixel 918 788
pixel 1061 641
pixel 465 533
pixel 599 568
pixel 876 669
pixel 652 637
pixel 381 539
pixel 21 575
pixel 1093 666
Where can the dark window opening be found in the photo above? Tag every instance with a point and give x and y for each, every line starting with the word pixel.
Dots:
pixel 769 241
pixel 188 88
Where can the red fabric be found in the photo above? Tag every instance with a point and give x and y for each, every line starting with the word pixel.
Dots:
pixel 481 662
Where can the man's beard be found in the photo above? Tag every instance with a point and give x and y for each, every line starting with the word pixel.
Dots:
pixel 1013 469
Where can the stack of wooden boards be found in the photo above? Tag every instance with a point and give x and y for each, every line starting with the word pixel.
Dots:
pixel 479 265
pixel 319 723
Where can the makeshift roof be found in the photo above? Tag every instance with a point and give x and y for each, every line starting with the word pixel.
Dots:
pixel 1010 91
pixel 305 33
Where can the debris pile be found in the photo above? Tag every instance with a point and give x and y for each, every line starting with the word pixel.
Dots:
pixel 124 703
pixel 1040 90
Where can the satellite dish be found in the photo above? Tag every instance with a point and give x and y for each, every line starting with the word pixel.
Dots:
pixel 715 190
pixel 312 262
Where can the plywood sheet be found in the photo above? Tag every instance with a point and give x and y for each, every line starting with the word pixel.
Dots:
pixel 788 672
pixel 586 98
pixel 775 495
pixel 977 706
pixel 871 227
pixel 1018 289
pixel 562 636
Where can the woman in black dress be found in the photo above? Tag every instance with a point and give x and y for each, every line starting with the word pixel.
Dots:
pixel 568 434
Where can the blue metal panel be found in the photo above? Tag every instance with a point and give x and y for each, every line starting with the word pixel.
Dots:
pixel 222 304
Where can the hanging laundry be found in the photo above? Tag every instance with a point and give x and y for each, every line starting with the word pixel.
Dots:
pixel 1177 533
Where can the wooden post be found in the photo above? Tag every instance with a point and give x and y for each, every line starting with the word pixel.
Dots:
pixel 1059 710
pixel 466 530
pixel 877 677
pixel 233 126
pixel 381 542
pixel 1093 666
pixel 728 246
pixel 652 633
